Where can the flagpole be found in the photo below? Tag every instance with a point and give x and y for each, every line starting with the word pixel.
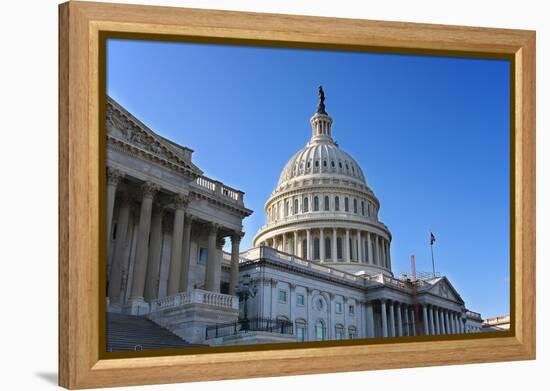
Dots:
pixel 433 263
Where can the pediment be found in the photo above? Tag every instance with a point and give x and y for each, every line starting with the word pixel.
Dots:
pixel 443 288
pixel 125 128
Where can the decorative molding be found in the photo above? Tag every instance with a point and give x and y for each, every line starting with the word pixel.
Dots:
pixel 114 176
pixel 149 189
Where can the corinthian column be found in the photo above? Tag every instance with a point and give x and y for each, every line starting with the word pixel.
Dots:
pixel 155 248
pixel 209 282
pixel 369 249
pixel 115 278
pixel 384 318
pixel 346 246
pixel 138 282
pixel 234 272
pixel 308 244
pixel 321 245
pixel 177 240
pixel 186 251
pixel 113 178
pixel 334 246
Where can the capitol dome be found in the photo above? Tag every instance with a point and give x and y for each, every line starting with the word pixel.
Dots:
pixel 322 209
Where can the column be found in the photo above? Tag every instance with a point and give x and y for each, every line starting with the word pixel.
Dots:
pixel 209 283
pixel 321 245
pixel 113 178
pixel 186 252
pixel 310 325
pixel 441 322
pixel 448 326
pixel 359 247
pixel 389 254
pixel 369 248
pixel 369 321
pixel 377 250
pixel 431 316
pixel 115 280
pixel 392 319
pixel 291 301
pixel 384 318
pixel 177 241
pixel 140 267
pixel 425 319
pixel 308 244
pixel 407 322
pixel 331 323
pixel 457 325
pixel 234 272
pixel 295 243
pixel 155 248
pixel 413 320
pixel 334 250
pixel 437 318
pixel 274 299
pixel 399 320
pixel 346 246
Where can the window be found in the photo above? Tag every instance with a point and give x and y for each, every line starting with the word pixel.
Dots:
pixel 316 249
pixel 300 330
pixel 320 330
pixel 286 209
pixel 282 296
pixel 332 163
pixel 327 248
pixel 295 211
pixel 306 205
pixel 351 310
pixel 354 205
pixel 338 308
pixel 346 204
pixel 350 244
pixel 324 163
pixel 308 164
pixel 316 163
pixel 339 248
pixel 352 331
pixel 203 255
pixel 304 248
pixel 319 304
pixel 347 167
pixel 339 331
pixel 363 208
pixel 316 203
pixel 114 230
pixel 336 203
pixel 300 299
pixel 327 203
pixel 340 164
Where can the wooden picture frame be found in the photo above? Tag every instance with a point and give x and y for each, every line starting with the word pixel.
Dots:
pixel 82 365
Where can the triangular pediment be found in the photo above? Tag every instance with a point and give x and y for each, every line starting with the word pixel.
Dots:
pixel 123 127
pixel 443 288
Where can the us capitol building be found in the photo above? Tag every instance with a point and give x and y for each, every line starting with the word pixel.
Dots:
pixel 320 268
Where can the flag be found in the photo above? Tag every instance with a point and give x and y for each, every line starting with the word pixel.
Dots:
pixel 432 238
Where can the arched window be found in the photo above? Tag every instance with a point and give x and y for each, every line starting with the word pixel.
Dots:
pixel 327 248
pixel 354 205
pixel 346 204
pixel 339 248
pixel 336 203
pixel 320 331
pixel 304 248
pixel 324 163
pixel 340 164
pixel 316 249
pixel 327 203
pixel 316 163
pixel 295 211
pixel 350 244
pixel 363 208
pixel 306 205
pixel 286 208
pixel 301 327
pixel 339 331
pixel 332 163
pixel 352 332
pixel 316 203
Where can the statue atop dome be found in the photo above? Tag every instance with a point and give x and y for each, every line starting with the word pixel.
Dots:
pixel 321 105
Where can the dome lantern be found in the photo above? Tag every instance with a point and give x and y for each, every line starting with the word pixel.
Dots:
pixel 321 122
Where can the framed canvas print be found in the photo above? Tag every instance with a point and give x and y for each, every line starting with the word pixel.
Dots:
pixel 247 195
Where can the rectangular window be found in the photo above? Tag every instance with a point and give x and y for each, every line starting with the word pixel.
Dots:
pixel 203 255
pixel 351 309
pixel 346 204
pixel 338 307
pixel 339 248
pixel 301 333
pixel 282 296
pixel 300 300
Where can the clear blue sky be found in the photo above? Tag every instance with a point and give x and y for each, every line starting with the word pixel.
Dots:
pixel 431 134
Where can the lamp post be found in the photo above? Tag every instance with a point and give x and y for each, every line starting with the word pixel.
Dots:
pixel 244 291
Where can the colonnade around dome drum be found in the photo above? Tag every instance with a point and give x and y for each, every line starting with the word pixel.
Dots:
pixel 318 244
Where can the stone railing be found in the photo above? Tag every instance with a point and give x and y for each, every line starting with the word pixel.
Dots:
pixel 196 296
pixel 316 215
pixel 217 188
pixel 473 315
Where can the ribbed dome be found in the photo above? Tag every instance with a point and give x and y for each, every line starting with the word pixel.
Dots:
pixel 321 158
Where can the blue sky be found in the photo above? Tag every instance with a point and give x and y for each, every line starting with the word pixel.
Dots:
pixel 431 134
